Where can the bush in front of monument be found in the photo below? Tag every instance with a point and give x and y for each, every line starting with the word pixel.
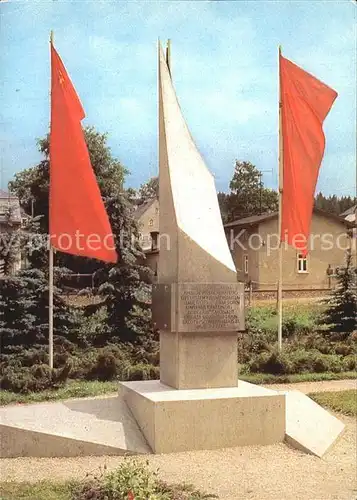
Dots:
pixel 292 361
pixel 133 480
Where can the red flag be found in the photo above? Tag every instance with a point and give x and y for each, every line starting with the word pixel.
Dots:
pixel 78 223
pixel 305 104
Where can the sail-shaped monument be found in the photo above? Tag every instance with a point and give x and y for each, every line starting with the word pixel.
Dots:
pixel 198 308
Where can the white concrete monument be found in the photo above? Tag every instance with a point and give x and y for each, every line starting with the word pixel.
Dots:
pixel 198 307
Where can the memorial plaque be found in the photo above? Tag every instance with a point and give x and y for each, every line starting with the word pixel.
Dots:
pixel 210 307
pixel 201 307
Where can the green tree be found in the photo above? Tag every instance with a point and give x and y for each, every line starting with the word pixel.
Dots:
pixel 24 311
pixel 223 201
pixel 148 190
pixel 247 196
pixel 341 313
pixel 334 204
pixel 9 241
pixel 126 287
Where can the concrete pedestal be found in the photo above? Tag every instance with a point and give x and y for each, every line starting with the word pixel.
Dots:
pixel 196 361
pixel 197 419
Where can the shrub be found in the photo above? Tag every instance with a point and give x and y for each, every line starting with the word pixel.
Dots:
pixel 110 363
pixel 344 348
pixel 143 371
pixel 298 324
pixel 133 480
pixel 349 363
pixel 34 356
pixel 106 367
pixel 290 361
pixel 130 480
pixel 274 362
pixel 106 363
pixel 301 361
pixel 253 343
pixel 312 341
pixel 326 363
pixel 28 371
pixel 36 378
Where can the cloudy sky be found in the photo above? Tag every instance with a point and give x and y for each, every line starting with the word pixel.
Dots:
pixel 224 65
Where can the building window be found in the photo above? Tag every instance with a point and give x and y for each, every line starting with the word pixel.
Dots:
pixel 301 263
pixel 154 240
pixel 151 222
pixel 245 258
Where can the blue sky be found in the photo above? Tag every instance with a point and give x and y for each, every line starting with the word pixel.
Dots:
pixel 224 65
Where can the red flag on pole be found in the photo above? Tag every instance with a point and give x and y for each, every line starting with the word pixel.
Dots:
pixel 78 223
pixel 305 103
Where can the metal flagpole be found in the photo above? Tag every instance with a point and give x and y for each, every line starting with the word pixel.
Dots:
pixel 50 285
pixel 168 55
pixel 50 307
pixel 280 187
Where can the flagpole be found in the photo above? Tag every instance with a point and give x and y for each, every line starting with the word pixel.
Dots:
pixel 280 189
pixel 50 284
pixel 168 55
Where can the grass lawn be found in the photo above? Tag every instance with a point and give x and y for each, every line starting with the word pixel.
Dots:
pixel 43 490
pixel 267 378
pixel 342 401
pixel 73 389
pixel 83 388
pixel 291 304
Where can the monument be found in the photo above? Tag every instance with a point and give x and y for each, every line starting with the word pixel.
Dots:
pixel 198 308
pixel 198 305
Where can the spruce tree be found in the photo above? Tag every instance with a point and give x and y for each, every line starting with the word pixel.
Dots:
pixel 125 287
pixel 341 313
pixel 24 312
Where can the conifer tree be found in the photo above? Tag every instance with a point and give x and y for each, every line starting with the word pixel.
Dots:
pixel 341 313
pixel 24 312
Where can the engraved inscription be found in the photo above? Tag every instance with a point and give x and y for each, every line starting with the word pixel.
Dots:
pixel 210 307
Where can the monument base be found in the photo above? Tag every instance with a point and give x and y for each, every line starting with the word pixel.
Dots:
pixel 198 361
pixel 196 419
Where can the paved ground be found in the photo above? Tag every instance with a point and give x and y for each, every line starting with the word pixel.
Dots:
pixel 251 473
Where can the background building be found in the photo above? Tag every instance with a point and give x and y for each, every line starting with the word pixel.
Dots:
pixel 257 262
pixel 256 253
pixel 147 216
